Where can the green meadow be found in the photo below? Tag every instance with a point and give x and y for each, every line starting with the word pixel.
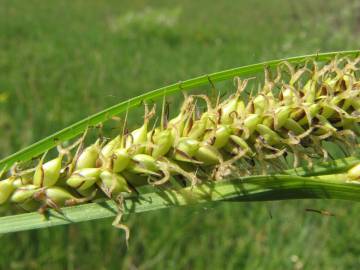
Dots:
pixel 61 61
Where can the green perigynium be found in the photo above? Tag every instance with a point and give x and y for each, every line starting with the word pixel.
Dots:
pixel 291 115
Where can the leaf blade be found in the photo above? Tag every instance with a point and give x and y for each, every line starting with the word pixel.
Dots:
pixel 252 188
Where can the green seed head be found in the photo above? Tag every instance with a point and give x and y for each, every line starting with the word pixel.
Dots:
pixel 281 115
pixel 229 109
pixel 47 174
pixel 198 129
pixel 290 114
pixel 6 189
pixel 113 184
pixel 240 109
pixel 143 164
pixel 138 138
pixel 208 155
pixel 260 104
pixel 310 91
pixel 251 121
pixel 119 160
pixel 268 134
pixel 220 137
pixel 58 195
pixel 185 149
pixel 88 157
pixel 292 125
pixel 163 141
pixel 24 193
pixel 110 147
pixel 84 179
pixel 238 144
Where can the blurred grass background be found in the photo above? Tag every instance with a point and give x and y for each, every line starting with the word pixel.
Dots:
pixel 61 61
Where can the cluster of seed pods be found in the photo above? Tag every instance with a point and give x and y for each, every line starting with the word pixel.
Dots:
pixel 291 113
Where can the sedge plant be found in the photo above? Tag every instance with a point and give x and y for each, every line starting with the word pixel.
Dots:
pixel 262 142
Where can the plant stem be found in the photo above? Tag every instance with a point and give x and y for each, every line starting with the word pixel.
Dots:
pixel 253 188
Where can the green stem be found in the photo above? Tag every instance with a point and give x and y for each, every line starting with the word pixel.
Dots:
pixel 253 188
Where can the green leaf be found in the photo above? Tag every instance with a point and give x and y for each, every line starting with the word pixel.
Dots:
pixel 79 127
pixel 292 184
pixel 251 188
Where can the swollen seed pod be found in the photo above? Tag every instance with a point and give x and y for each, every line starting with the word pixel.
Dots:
pixel 354 172
pixel 56 197
pixel 210 119
pixel 24 193
pixel 59 195
pixel 84 179
pixel 310 91
pixel 110 147
pixel 251 121
pixel 240 109
pixel 281 115
pixel 143 164
pixel 163 141
pixel 185 149
pixel 113 184
pixel 188 124
pixel 119 160
pixel 270 136
pixel 6 189
pixel 138 138
pixel 198 129
pixel 239 142
pixel 177 124
pixel 260 104
pixel 228 109
pixel 293 126
pixel 208 155
pixel 88 157
pixel 47 174
pixel 220 137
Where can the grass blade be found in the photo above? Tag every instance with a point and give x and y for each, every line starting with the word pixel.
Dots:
pixel 252 188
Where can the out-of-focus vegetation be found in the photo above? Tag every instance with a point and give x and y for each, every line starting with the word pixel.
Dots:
pixel 61 61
